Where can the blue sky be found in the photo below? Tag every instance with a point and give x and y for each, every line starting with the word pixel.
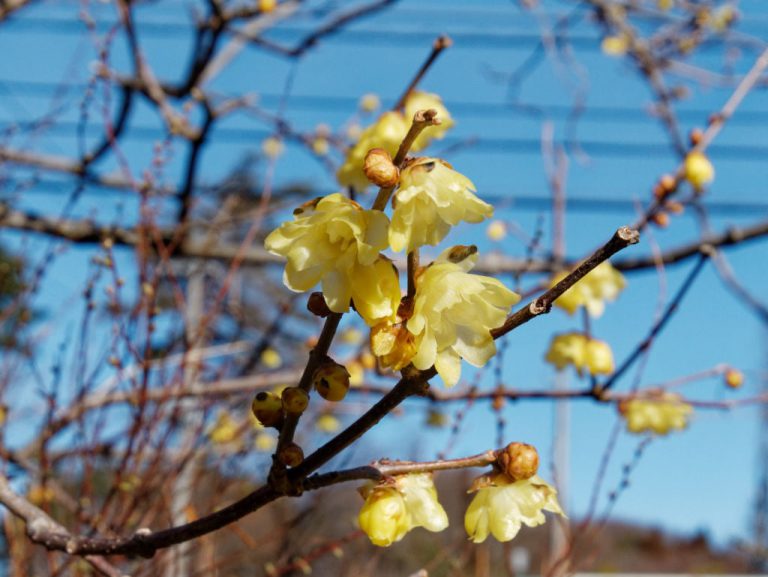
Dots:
pixel 714 462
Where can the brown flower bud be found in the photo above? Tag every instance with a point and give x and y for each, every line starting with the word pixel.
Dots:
pixel 660 219
pixel 317 305
pixel 668 183
pixel 519 461
pixel 674 207
pixel 379 169
pixel 695 136
pixel 295 400
pixel 291 455
pixel 331 380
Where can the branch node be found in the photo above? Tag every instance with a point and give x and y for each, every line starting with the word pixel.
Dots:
pixel 628 235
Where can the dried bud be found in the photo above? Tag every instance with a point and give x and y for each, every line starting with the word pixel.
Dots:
pixel 519 461
pixel 695 136
pixel 291 455
pixel 668 183
pixel 331 380
pixel 268 409
pixel 674 207
pixel 498 403
pixel 379 169
pixel 734 378
pixel 295 400
pixel 317 305
pixel 660 219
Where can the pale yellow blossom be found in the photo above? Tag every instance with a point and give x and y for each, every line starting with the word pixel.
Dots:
pixel 224 430
pixel 432 198
pixel 496 230
pixel 391 510
pixel 270 358
pixel 387 133
pixel 334 241
pixel 659 414
pixel 603 283
pixel 454 312
pixel 272 147
pixel 698 170
pixel 582 353
pixel 502 506
pixel 615 45
pixel 369 102
pixel 327 423
pixel 418 100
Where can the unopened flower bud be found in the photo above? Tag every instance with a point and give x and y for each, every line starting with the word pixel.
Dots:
pixel 331 380
pixel 317 305
pixel 291 455
pixel 268 409
pixel 660 219
pixel 695 136
pixel 295 400
pixel 519 461
pixel 379 168
pixel 734 378
pixel 668 183
pixel 674 207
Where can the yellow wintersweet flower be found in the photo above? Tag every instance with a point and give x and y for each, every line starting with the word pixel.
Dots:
pixel 327 423
pixel 582 353
pixel 387 133
pixel 272 147
pixel 603 283
pixel 698 170
pixel 270 358
pixel 660 414
pixel 454 313
pixel 432 198
pixel 393 344
pixel 334 241
pixel 614 45
pixel 418 100
pixel 503 506
pixel 224 430
pixel 369 102
pixel 390 511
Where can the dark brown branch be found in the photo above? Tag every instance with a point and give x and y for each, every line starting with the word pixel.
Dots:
pixel 621 239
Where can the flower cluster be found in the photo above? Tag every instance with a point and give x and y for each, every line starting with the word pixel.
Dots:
pixel 335 242
pixel 583 353
pixel 388 132
pixel 391 510
pixel 603 283
pixel 661 414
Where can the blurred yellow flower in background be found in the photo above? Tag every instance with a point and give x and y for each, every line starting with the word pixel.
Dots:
pixel 387 133
pixel 418 100
pixel 603 283
pixel 661 414
pixel 582 353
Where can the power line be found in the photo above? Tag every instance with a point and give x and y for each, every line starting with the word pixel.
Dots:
pixel 582 203
pixel 484 144
pixel 627 114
